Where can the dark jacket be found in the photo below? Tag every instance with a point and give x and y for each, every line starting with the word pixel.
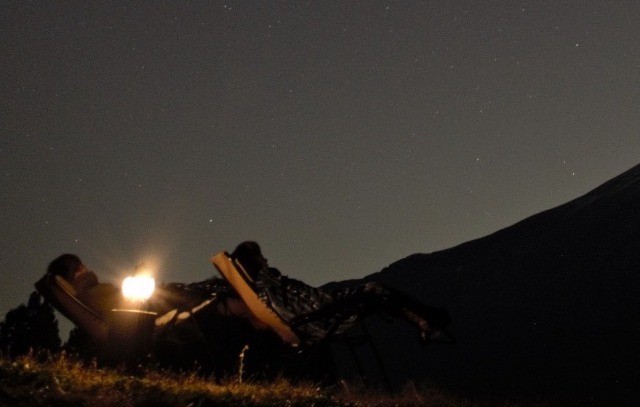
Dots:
pixel 312 312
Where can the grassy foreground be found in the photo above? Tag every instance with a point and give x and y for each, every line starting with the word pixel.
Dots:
pixel 61 381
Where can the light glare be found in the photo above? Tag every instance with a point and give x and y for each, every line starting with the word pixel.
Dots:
pixel 138 288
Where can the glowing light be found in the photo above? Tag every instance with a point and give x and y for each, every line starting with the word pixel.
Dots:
pixel 138 288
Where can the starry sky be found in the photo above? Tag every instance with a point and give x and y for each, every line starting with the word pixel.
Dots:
pixel 340 135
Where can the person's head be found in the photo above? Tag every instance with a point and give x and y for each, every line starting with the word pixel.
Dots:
pixel 66 266
pixel 250 255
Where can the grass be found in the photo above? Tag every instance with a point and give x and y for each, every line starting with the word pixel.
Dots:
pixel 59 380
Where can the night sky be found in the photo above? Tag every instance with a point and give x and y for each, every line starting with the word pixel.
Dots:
pixel 340 135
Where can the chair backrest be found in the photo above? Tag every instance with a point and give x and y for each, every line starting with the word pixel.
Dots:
pixel 235 273
pixel 61 294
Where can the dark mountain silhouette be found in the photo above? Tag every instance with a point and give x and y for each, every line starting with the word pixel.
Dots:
pixel 546 308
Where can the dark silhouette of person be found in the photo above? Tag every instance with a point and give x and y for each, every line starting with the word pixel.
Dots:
pixel 315 312
pixel 104 297
pixel 99 297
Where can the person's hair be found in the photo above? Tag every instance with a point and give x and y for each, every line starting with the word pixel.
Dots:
pixel 64 265
pixel 249 254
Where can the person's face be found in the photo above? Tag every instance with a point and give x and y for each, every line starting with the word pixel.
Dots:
pixel 257 261
pixel 262 261
pixel 80 270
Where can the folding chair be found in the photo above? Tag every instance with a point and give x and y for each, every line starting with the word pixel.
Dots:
pixel 236 274
pixel 124 336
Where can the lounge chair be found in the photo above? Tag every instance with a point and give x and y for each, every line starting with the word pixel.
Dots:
pixel 236 274
pixel 124 336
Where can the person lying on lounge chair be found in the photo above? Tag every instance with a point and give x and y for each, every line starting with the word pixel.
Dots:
pixel 104 297
pixel 314 312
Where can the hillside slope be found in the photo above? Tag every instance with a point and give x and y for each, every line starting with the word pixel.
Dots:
pixel 545 308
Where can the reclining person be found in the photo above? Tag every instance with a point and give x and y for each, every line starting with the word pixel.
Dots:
pixel 315 312
pixel 104 297
pixel 203 323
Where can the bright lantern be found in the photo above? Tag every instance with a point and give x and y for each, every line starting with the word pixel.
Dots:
pixel 138 288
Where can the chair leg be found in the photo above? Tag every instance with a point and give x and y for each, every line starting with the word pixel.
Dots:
pixel 376 355
pixel 352 342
